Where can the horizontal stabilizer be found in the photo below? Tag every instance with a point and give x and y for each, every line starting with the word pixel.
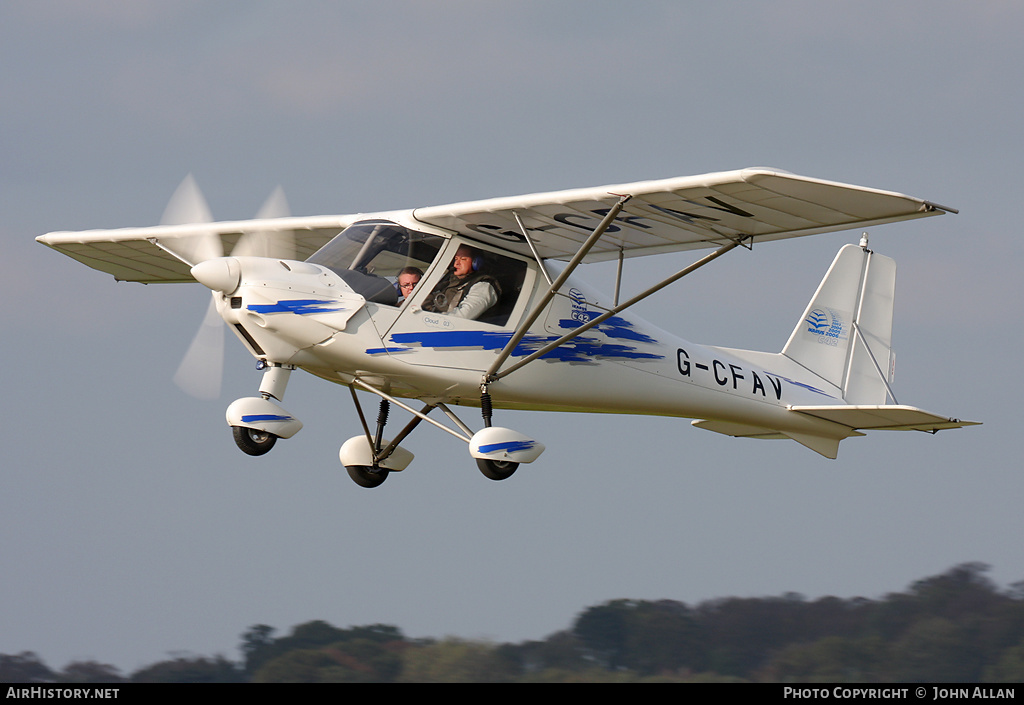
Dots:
pixel 737 430
pixel 889 417
pixel 824 445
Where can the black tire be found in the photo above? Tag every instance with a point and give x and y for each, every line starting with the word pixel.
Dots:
pixel 496 469
pixel 252 441
pixel 365 476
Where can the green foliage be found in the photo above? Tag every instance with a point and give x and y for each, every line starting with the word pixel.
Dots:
pixel 317 652
pixel 262 651
pixel 646 637
pixel 90 672
pixel 25 667
pixel 257 645
pixel 190 670
pixel 356 660
pixel 953 627
pixel 934 649
pixel 455 661
pixel 831 659
pixel 298 666
pixel 1009 668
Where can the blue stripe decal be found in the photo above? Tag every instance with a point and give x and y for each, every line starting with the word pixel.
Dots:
pixel 382 351
pixel 253 418
pixel 801 384
pixel 581 349
pixel 508 446
pixel 300 307
pixel 614 327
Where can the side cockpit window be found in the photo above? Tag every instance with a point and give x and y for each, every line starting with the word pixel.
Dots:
pixel 375 257
pixel 478 285
pixel 510 274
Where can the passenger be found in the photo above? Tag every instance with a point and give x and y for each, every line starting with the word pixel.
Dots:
pixel 466 292
pixel 408 278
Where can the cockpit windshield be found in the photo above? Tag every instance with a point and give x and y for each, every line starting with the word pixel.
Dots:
pixel 370 255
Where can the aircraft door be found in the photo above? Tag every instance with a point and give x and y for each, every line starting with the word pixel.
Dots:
pixel 463 310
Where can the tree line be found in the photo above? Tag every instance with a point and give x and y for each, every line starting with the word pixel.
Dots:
pixel 954 627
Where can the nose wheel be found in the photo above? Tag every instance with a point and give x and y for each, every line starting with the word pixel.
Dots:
pixel 252 441
pixel 257 422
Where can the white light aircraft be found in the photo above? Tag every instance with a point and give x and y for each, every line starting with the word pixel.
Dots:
pixel 494 319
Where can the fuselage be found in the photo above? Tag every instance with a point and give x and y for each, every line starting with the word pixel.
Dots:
pixel 306 315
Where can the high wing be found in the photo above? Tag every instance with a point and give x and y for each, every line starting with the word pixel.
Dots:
pixel 671 215
pixel 135 254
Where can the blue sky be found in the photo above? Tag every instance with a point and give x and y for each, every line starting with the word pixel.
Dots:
pixel 132 528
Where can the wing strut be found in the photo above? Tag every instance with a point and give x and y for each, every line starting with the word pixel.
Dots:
pixel 533 248
pixel 493 375
pixel 172 253
pixel 613 213
pixel 618 277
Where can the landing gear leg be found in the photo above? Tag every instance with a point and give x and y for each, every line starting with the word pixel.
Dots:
pixel 382 420
pixel 275 380
pixel 372 475
pixel 499 451
pixel 257 422
pixel 485 405
pixel 492 469
pixel 369 458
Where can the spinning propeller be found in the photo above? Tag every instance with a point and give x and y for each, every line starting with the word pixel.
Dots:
pixel 201 370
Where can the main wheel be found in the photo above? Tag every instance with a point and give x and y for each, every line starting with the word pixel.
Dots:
pixel 365 476
pixel 253 441
pixel 496 469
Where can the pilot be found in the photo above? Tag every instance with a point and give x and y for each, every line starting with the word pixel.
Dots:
pixel 408 278
pixel 466 292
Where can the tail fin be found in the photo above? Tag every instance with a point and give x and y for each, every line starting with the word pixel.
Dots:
pixel 845 334
pixel 845 337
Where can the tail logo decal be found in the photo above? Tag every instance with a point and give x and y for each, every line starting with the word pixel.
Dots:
pixel 827 325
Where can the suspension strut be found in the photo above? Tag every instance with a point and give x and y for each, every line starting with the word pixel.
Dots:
pixel 485 405
pixel 382 419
